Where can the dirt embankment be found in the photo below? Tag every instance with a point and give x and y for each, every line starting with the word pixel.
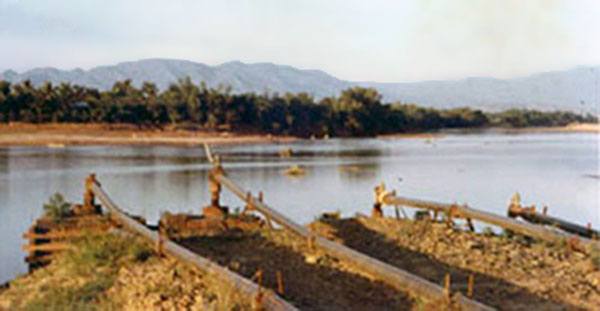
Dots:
pixel 60 135
pixel 510 272
pixel 114 272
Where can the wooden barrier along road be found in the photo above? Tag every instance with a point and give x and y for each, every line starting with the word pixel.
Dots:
pixel 457 211
pixel 246 287
pixel 386 273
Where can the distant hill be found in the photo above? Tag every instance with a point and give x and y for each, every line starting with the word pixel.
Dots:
pixel 577 89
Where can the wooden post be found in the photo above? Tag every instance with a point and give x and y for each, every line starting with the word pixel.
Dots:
pixel 280 290
pixel 471 285
pixel 311 243
pixel 214 185
pixel 161 238
pixel 470 224
pixel 450 216
pixel 88 196
pixel 377 212
pixel 32 241
pixel 269 223
pixel 257 303
pixel 447 285
pixel 215 192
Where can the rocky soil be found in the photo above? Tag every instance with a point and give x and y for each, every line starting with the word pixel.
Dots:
pixel 511 273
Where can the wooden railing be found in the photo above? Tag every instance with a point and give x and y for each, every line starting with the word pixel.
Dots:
pixel 462 211
pixel 268 301
pixel 386 273
pixel 531 215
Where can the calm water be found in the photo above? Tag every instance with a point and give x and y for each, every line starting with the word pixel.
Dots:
pixel 483 170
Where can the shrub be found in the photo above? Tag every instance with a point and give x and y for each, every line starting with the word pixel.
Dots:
pixel 100 250
pixel 57 208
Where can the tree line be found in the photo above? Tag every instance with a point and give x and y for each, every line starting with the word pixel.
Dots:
pixel 355 112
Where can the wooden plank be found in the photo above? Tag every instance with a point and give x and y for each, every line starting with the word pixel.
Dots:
pixel 38 259
pixel 47 247
pixel 398 278
pixel 55 235
pixel 71 219
pixel 270 301
pixel 534 231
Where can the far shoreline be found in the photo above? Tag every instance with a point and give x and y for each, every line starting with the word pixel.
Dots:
pixel 58 135
pixel 590 128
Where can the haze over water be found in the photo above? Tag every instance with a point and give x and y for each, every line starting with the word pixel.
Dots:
pixel 481 170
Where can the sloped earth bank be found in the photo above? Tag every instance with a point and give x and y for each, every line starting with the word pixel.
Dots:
pixel 510 272
pixel 110 272
pixel 311 281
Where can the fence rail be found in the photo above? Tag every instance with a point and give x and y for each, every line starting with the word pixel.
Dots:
pixel 457 211
pixel 393 276
pixel 531 215
pixel 246 287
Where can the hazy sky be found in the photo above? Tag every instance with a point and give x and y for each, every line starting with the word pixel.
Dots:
pixel 353 40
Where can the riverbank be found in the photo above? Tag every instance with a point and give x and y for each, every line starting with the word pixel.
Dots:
pixel 571 128
pixel 510 272
pixel 60 135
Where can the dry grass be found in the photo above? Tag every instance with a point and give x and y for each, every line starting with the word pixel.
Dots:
pixel 77 279
pixel 108 272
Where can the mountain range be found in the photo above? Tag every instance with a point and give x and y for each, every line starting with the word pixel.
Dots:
pixel 576 89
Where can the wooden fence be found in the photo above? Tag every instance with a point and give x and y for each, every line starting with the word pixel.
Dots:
pixel 269 301
pixel 458 211
pixel 386 273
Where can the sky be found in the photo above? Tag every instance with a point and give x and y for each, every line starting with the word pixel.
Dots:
pixel 383 41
